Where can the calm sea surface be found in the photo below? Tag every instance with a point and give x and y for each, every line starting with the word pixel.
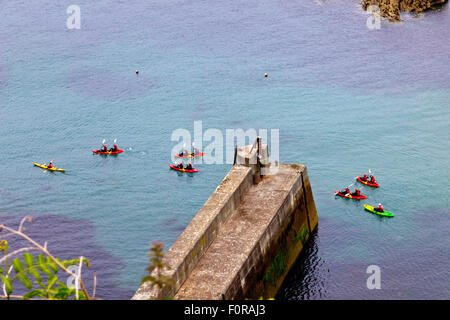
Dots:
pixel 346 99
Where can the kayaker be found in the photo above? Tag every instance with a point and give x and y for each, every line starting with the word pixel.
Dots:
pixel 357 193
pixel 189 166
pixel 346 191
pixel 180 166
pixel 50 165
pixel 364 178
pixel 372 179
pixel 114 148
pixel 104 149
pixel 379 208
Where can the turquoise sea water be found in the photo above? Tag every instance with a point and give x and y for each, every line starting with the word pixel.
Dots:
pixel 345 99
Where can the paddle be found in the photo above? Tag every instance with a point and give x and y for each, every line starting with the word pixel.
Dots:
pixel 370 173
pixel 103 143
pixel 349 189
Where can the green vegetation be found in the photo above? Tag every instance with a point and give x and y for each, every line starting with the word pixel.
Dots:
pixel 40 275
pixel 156 276
pixel 301 235
pixel 277 268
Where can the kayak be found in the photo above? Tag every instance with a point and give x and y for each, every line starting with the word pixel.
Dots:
pixel 350 196
pixel 384 213
pixel 201 154
pixel 367 183
pixel 107 152
pixel 43 166
pixel 182 170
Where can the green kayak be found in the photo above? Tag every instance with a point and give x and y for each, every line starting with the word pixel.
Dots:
pixel 384 213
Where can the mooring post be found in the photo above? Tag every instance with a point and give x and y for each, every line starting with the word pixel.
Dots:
pixel 257 177
pixel 258 139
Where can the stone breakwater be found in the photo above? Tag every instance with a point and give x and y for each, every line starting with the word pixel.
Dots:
pixel 391 8
pixel 246 237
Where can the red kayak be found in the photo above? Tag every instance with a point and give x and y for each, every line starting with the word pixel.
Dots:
pixel 368 183
pixel 201 154
pixel 350 196
pixel 182 170
pixel 108 152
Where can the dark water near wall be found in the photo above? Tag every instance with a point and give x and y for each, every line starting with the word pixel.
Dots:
pixel 345 99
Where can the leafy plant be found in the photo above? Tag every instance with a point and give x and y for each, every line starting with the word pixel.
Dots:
pixel 157 267
pixel 42 270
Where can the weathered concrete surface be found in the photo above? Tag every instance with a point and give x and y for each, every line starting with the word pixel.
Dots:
pixel 269 221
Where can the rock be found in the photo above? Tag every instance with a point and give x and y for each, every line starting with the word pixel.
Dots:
pixel 391 9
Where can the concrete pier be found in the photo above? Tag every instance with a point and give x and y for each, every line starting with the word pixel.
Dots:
pixel 246 237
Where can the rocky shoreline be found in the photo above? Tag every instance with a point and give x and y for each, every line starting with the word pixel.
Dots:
pixel 391 9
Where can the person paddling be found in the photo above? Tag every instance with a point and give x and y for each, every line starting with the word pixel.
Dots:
pixel 346 191
pixel 189 166
pixel 379 208
pixel 50 165
pixel 372 179
pixel 180 166
pixel 104 149
pixel 114 148
pixel 357 193
pixel 364 178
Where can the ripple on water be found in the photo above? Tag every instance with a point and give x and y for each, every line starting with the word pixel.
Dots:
pixel 108 85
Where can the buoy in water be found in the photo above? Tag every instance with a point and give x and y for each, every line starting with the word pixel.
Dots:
pixel 265 75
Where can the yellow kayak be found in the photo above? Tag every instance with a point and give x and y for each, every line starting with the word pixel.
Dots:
pixel 43 166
